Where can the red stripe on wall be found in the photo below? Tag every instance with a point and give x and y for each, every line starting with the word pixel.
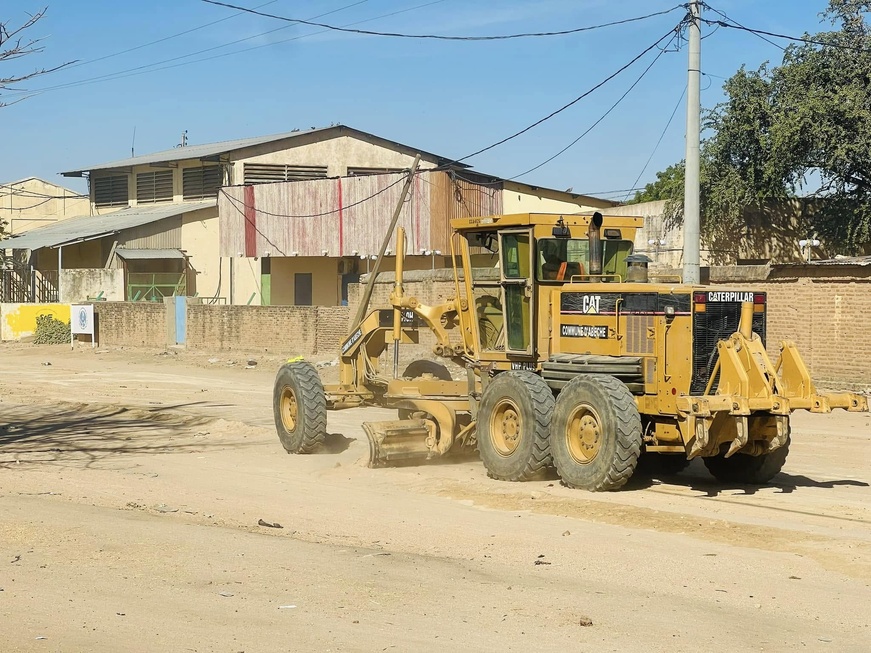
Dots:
pixel 341 220
pixel 250 223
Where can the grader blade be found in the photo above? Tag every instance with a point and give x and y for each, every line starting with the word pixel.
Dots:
pixel 398 441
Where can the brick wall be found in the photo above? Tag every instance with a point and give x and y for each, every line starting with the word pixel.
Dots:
pixel 131 324
pixel 826 319
pixel 287 329
pixel 332 328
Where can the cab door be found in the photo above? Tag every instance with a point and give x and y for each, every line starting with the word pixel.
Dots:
pixel 515 247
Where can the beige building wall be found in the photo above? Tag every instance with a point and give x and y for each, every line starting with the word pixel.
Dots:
pixel 32 203
pixel 326 281
pixel 246 282
pixel 521 199
pixel 337 154
pixel 199 240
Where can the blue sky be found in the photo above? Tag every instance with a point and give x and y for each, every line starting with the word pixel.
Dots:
pixel 446 97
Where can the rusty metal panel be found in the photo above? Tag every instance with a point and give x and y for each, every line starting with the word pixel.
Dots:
pixel 458 198
pixel 347 214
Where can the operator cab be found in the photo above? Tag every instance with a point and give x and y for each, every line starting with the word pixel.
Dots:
pixel 513 262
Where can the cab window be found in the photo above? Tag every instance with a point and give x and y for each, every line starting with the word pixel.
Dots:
pixel 559 259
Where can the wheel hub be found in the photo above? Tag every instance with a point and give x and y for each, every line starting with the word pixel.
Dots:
pixel 584 435
pixel 289 409
pixel 506 428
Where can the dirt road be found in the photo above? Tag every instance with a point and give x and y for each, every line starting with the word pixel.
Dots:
pixel 133 484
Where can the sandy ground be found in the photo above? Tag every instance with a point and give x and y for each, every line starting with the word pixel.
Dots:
pixel 133 483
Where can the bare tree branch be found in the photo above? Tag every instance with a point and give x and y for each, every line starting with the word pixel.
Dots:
pixel 14 45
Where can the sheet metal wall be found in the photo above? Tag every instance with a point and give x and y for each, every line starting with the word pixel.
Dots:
pixel 265 222
pixel 163 234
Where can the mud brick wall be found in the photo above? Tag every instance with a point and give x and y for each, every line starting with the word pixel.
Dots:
pixel 283 329
pixel 332 329
pixel 828 321
pixel 131 324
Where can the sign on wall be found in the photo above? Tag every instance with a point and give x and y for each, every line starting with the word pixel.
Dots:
pixel 82 322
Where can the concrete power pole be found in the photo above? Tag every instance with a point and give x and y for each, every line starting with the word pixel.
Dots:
pixel 691 220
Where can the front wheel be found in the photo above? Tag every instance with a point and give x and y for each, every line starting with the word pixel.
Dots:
pixel 748 470
pixel 596 433
pixel 300 407
pixel 513 422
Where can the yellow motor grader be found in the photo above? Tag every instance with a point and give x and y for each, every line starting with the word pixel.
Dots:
pixel 575 356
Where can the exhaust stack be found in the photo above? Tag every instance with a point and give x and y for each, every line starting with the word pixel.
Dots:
pixel 594 234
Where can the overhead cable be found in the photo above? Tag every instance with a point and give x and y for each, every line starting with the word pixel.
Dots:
pixel 658 142
pixel 600 119
pixel 157 65
pixel 170 37
pixel 668 34
pixel 237 203
pixel 733 24
pixel 441 37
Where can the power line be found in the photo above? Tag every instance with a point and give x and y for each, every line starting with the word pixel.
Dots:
pixel 32 194
pixel 440 37
pixel 601 118
pixel 658 142
pixel 761 33
pixel 573 102
pixel 236 202
pixel 150 68
pixel 170 37
pixel 717 11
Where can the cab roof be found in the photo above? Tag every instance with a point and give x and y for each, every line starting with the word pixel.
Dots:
pixel 533 219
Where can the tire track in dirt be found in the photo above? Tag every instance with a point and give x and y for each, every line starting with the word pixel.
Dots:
pixel 847 556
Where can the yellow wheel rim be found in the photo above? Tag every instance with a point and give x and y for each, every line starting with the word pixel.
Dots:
pixel 506 426
pixel 584 434
pixel 289 409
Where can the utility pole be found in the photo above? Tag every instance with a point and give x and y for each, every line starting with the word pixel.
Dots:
pixel 691 220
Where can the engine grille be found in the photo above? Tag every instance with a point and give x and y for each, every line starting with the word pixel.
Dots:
pixel 717 322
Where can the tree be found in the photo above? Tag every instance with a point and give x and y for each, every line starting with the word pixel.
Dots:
pixel 801 128
pixel 15 44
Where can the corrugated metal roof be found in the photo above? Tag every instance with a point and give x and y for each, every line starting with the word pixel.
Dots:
pixel 92 226
pixel 215 149
pixel 148 254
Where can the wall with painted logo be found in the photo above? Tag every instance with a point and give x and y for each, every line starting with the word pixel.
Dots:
pixel 19 320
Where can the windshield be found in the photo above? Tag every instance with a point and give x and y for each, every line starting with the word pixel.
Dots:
pixel 560 259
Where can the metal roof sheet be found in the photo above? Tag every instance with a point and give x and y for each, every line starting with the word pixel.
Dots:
pixel 222 147
pixel 87 227
pixel 148 254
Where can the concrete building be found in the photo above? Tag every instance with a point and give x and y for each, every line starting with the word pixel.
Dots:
pixel 165 203
pixel 33 202
pixel 304 242
pixel 152 221
pixel 770 234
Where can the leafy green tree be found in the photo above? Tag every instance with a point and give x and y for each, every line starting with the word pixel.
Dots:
pixel 801 128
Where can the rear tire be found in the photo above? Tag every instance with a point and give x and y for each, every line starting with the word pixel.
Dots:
pixel 748 470
pixel 299 407
pixel 596 433
pixel 513 423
